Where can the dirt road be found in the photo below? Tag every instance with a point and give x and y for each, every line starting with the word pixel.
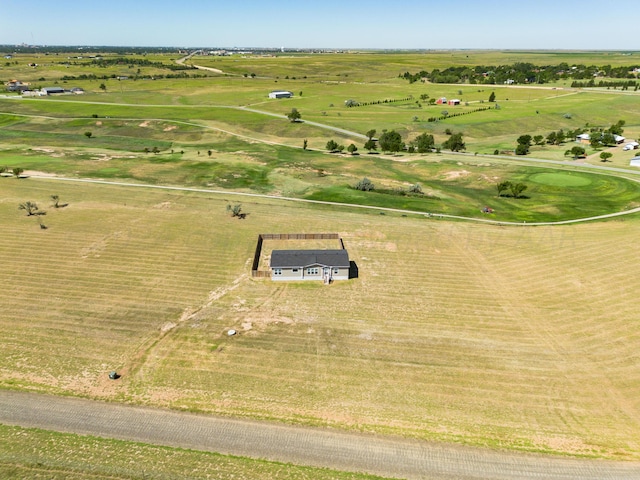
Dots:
pixel 387 456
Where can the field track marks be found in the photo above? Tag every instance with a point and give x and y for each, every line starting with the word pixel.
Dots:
pixel 145 355
pixel 387 456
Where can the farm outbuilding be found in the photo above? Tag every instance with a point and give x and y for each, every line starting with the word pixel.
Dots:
pixel 635 161
pixel 51 90
pixel 454 101
pixel 441 101
pixel 280 94
pixel 325 265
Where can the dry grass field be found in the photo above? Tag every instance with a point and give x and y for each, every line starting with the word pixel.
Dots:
pixel 509 337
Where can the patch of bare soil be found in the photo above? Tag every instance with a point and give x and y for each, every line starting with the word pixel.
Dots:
pixel 455 174
pixel 144 124
pixel 169 128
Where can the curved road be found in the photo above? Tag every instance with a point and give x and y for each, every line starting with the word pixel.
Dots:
pixel 386 456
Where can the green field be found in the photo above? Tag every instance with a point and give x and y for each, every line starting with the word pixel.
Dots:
pixel 509 337
pixel 31 453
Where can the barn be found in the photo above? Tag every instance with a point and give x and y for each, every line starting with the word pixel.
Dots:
pixel 280 94
pixel 635 161
pixel 325 265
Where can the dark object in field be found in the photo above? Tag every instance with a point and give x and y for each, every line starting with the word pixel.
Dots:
pixel 114 375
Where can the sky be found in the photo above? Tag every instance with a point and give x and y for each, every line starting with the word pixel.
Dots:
pixel 329 24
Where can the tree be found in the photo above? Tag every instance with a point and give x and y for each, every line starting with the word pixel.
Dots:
pixel 524 140
pixel 538 140
pixel 371 133
pixel 577 152
pixel 103 87
pixel 605 156
pixel 332 146
pixel 352 149
pixel 370 145
pixel 517 189
pixel 30 207
pixel 492 97
pixel 455 143
pixel 294 115
pixel 17 171
pixel 88 134
pixel 209 152
pixel 236 210
pixel 417 189
pixel 364 185
pixel 424 143
pixel 304 144
pixel 503 186
pixel 56 202
pixel 608 139
pixel 3 169
pixel 391 142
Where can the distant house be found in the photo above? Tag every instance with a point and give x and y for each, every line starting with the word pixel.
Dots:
pixel 441 101
pixel 325 265
pixel 280 94
pixel 619 139
pixel 454 101
pixel 635 161
pixel 631 146
pixel 583 138
pixel 16 86
pixel 52 90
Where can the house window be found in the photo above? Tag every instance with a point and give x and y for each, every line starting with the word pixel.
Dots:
pixel 277 271
pixel 312 271
pixel 294 270
pixel 336 271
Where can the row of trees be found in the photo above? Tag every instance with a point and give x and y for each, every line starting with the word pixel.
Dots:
pixel 520 72
pixel 365 185
pixel 16 171
pixel 391 141
pixel 598 137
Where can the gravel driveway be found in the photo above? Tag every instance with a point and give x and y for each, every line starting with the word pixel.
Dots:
pixel 387 456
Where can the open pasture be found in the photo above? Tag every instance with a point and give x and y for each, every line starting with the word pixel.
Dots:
pixel 509 337
pixel 22 456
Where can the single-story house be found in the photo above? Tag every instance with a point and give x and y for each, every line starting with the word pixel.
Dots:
pixel 16 86
pixel 631 146
pixel 325 265
pixel 52 90
pixel 441 101
pixel 619 139
pixel 635 161
pixel 454 101
pixel 280 94
pixel 583 138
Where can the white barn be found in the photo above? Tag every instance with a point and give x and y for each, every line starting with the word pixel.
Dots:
pixel 280 94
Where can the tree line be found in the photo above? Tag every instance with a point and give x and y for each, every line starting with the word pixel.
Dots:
pixel 519 72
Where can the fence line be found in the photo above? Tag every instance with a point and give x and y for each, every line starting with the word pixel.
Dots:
pixel 285 236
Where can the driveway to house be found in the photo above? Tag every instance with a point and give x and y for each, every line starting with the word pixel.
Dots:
pixel 386 456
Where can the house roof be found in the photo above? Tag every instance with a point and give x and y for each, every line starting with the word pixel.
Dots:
pixel 308 258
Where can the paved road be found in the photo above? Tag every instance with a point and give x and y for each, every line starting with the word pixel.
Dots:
pixel 387 456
